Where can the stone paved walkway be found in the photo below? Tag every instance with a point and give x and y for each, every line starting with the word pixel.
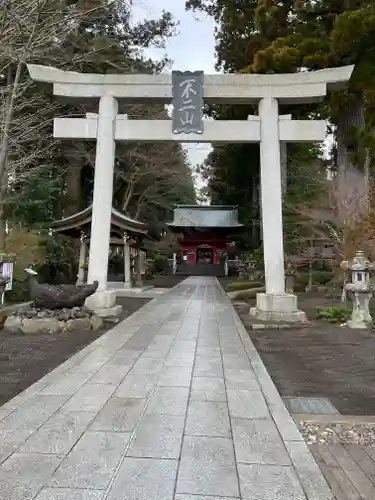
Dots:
pixel 173 403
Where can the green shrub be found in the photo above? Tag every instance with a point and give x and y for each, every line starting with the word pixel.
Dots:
pixel 334 314
pixel 160 263
pixel 243 285
pixel 318 278
pixel 19 292
pixel 257 257
pixel 249 294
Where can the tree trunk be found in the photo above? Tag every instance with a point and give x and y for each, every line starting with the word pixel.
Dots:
pixel 127 197
pixel 366 172
pixel 4 147
pixel 283 162
pixel 353 115
pixel 73 188
pixel 9 112
pixel 2 220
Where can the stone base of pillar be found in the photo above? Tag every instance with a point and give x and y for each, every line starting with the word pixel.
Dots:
pixel 103 304
pixel 278 308
pixel 127 286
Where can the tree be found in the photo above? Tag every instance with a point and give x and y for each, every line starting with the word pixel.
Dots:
pixel 328 33
pixel 27 29
pixel 90 36
pixel 269 36
pixel 244 29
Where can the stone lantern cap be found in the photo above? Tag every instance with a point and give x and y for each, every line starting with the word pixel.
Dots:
pixel 289 269
pixel 358 263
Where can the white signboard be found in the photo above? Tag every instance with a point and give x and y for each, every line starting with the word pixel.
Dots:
pixel 7 270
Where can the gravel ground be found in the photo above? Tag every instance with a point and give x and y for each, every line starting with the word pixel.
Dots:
pixel 24 359
pixel 320 361
pixel 338 433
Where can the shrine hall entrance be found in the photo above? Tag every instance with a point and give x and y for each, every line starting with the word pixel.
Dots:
pixel 204 255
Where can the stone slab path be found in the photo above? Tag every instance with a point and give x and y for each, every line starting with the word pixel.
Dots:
pixel 173 403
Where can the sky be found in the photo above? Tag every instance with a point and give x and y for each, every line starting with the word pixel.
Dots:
pixel 191 49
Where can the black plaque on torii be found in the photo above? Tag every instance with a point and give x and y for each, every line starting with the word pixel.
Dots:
pixel 187 92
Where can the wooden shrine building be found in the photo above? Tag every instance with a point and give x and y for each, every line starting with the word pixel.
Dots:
pixel 125 232
pixel 204 232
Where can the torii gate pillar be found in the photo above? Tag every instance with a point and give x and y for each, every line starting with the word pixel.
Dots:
pixel 275 304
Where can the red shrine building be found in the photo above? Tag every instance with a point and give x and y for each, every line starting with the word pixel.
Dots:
pixel 204 232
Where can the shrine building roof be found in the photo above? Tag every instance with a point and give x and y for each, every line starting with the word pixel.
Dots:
pixel 80 222
pixel 205 217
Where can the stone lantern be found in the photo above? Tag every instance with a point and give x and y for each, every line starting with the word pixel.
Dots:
pixel 289 278
pixel 360 268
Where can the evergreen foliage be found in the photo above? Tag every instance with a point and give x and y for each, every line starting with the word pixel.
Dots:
pixel 283 36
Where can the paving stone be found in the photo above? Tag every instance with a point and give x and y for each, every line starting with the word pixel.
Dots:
pixel 59 434
pixel 236 361
pixel 208 352
pixel 92 461
pixel 23 475
pixel 266 482
pixel 144 479
pixel 249 346
pixel 69 494
pixel 91 397
pixel 200 497
pixel 10 442
pixel 136 386
pixel 27 394
pixel 258 441
pixel 31 415
pixel 141 339
pixel 241 379
pixel 317 406
pixel 125 357
pixel 232 345
pixel 66 385
pixel 19 489
pixel 119 415
pixel 208 389
pixel 175 376
pixel 180 358
pixel 169 400
pixel 36 467
pixel 157 351
pixel 247 404
pixel 208 368
pixel 147 366
pixel 110 374
pixel 308 472
pixel 190 335
pixel 266 384
pixel 207 468
pixel 158 436
pixel 286 425
pixel 184 346
pixel 207 418
pixel 91 363
pixel 4 412
pixel 208 340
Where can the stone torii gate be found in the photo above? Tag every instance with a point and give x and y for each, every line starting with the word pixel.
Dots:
pixel 268 128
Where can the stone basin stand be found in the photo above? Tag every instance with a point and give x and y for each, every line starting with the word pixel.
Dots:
pixel 361 289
